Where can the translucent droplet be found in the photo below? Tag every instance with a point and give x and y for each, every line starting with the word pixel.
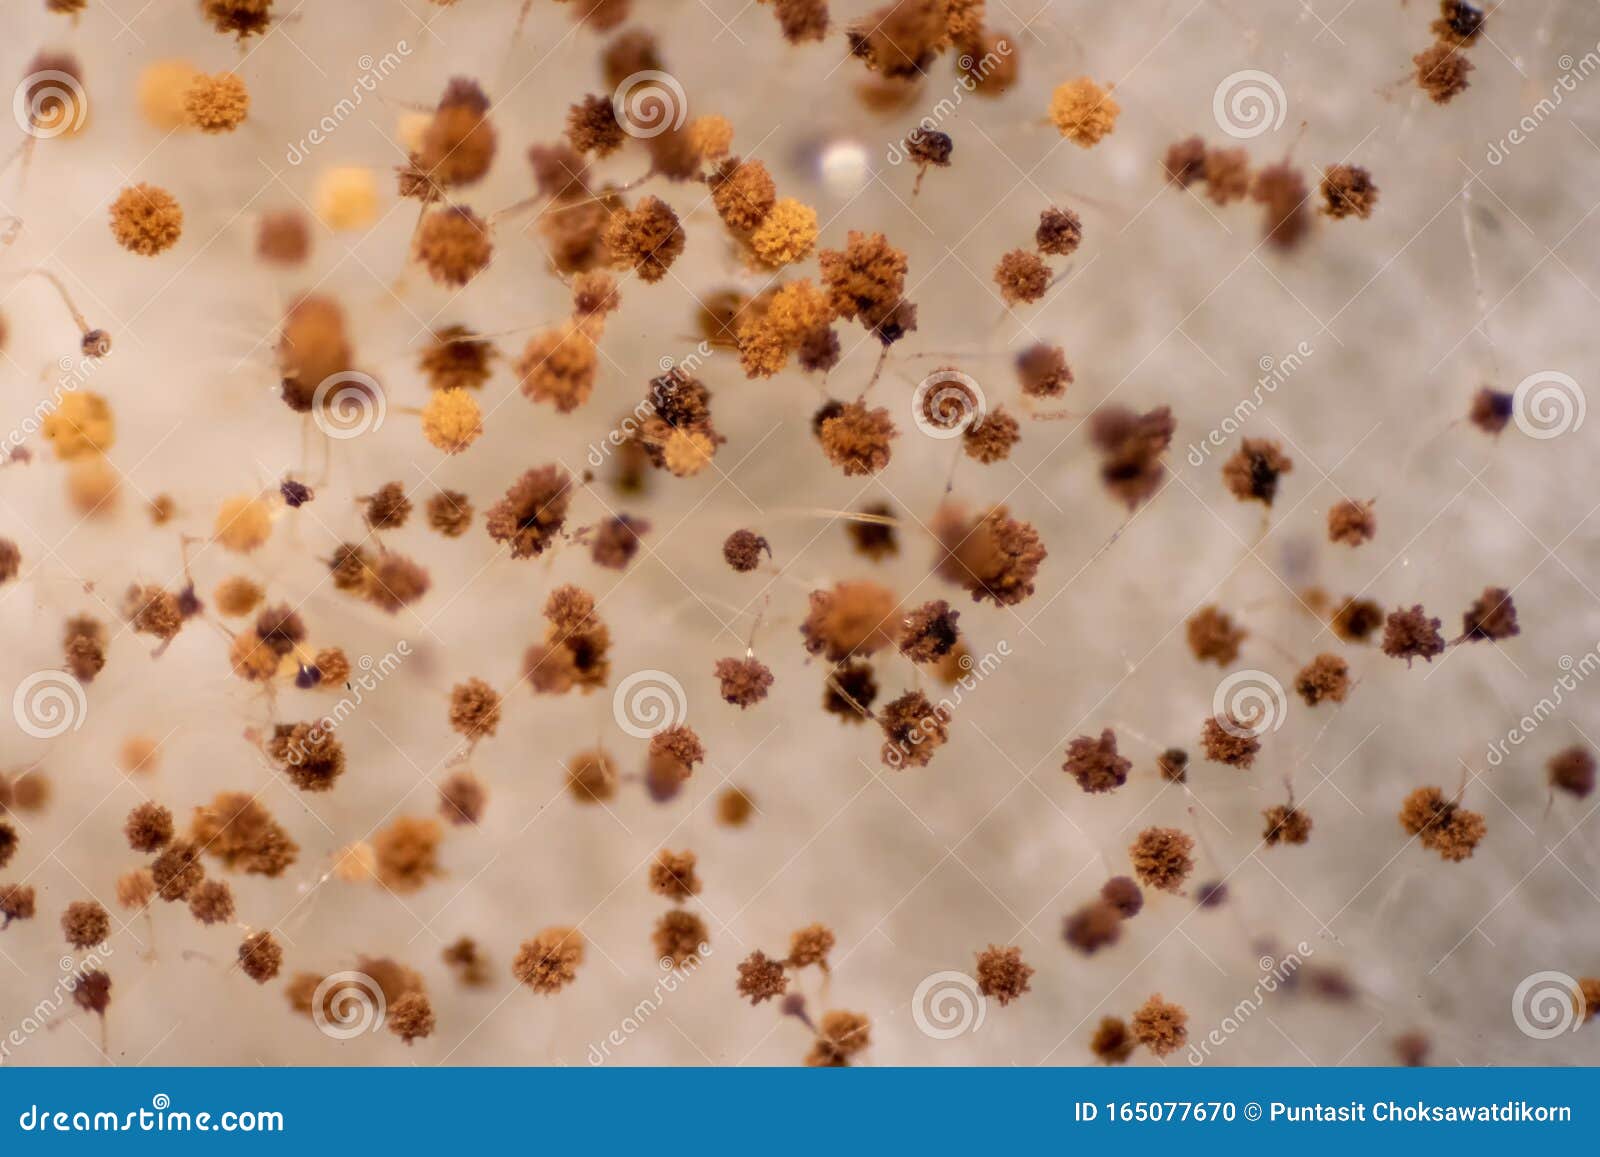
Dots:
pixel 844 167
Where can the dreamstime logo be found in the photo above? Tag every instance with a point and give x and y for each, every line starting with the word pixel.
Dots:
pixel 372 72
pixel 973 73
pixel 347 1004
pixel 1274 373
pixel 1575 671
pixel 1572 73
pixel 49 103
pixel 1248 103
pixel 41 1016
pixel 1547 1004
pixel 946 404
pixel 647 702
pixel 1548 404
pixel 973 672
pixel 673 975
pixel 75 372
pixel 650 103
pixel 1276 972
pixel 373 672
pixel 49 703
pixel 948 1004
pixel 348 405
pixel 674 374
pixel 680 371
pixel 1249 703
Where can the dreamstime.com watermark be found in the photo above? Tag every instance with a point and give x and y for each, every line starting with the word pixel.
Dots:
pixel 1248 704
pixel 947 404
pixel 75 373
pixel 973 73
pixel 49 703
pixel 947 1005
pixel 49 103
pixel 647 702
pixel 372 72
pixel 1572 72
pixel 672 977
pixel 1275 973
pixel 347 1004
pixel 650 103
pixel 373 672
pixel 1577 670
pixel 349 404
pixel 975 672
pixel 673 374
pixel 1548 404
pixel 1249 103
pixel 40 1016
pixel 1274 373
pixel 1547 1005
pixel 159 1118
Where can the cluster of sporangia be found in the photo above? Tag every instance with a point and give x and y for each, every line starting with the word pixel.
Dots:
pixel 593 234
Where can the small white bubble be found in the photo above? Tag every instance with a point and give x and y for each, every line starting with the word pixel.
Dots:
pixel 844 167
